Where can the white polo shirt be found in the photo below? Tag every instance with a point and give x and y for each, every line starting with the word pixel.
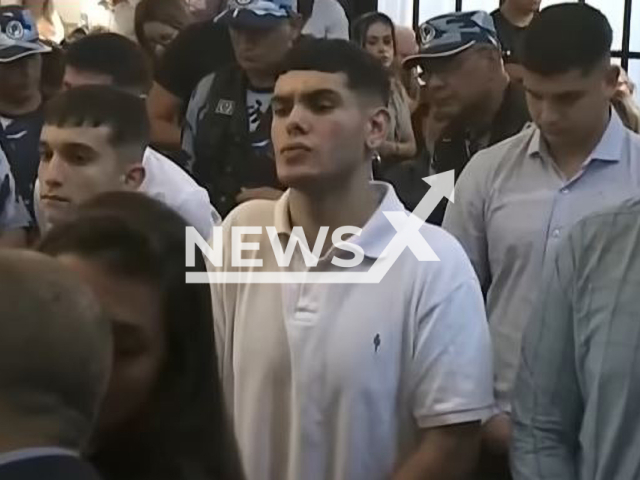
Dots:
pixel 168 183
pixel 335 382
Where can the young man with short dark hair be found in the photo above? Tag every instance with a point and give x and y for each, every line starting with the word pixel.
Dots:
pixel 511 21
pixel 227 127
pixel 473 114
pixel 94 60
pixel 94 140
pixel 355 381
pixel 517 200
pixel 107 58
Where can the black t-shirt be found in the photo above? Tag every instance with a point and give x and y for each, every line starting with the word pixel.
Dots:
pixel 197 51
pixel 510 37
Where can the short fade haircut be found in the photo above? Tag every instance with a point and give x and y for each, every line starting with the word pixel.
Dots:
pixel 113 55
pixel 98 105
pixel 565 37
pixel 365 74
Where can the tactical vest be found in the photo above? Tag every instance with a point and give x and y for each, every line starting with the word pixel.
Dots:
pixel 227 157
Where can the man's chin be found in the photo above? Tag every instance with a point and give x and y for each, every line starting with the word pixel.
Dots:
pixel 55 217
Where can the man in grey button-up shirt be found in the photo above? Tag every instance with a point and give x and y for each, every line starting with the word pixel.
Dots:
pixel 515 201
pixel 576 402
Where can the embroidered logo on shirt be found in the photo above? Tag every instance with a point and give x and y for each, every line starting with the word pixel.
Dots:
pixel 226 107
pixel 377 342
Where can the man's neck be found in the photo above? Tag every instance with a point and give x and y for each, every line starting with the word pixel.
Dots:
pixel 483 115
pixel 349 204
pixel 569 157
pixel 515 15
pixel 261 80
pixel 9 108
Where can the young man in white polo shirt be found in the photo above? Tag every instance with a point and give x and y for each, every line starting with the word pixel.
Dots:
pixel 356 381
pixel 94 140
pixel 113 60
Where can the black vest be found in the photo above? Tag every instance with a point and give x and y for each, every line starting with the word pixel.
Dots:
pixel 227 156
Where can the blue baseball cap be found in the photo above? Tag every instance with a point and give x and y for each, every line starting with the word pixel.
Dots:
pixel 451 34
pixel 18 34
pixel 256 13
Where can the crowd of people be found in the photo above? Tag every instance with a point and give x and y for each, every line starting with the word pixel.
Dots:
pixel 500 343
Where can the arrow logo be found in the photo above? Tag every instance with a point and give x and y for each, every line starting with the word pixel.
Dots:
pixel 406 224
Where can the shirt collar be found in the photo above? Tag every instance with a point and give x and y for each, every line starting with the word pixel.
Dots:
pixel 36 452
pixel 609 149
pixel 377 232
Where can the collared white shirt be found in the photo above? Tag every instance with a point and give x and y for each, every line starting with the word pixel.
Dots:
pixel 336 381
pixel 168 183
pixel 512 208
pixel 36 452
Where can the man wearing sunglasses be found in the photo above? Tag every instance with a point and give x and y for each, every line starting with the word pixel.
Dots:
pixel 468 90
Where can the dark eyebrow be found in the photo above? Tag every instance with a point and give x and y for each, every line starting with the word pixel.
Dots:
pixel 311 95
pixel 78 146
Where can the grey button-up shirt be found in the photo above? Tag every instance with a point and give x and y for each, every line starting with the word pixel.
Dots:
pixel 513 206
pixel 576 404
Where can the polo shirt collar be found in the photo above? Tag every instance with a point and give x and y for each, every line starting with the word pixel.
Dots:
pixel 376 234
pixel 609 149
pixel 35 452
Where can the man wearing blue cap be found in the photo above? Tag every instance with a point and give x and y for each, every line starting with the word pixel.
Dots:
pixel 228 121
pixel 20 97
pixel 468 89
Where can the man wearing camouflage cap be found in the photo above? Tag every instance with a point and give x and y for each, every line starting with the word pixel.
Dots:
pixel 473 105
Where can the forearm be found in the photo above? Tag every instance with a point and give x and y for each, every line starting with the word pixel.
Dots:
pixel 444 456
pixel 164 110
pixel 165 134
pixel 400 150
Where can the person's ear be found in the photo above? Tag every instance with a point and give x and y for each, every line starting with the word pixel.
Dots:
pixel 134 177
pixel 611 76
pixel 378 128
pixel 297 23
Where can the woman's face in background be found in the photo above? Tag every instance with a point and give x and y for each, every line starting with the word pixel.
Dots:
pixel 159 35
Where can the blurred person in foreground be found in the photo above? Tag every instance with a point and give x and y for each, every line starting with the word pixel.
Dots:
pixel 163 417
pixel 358 381
pixel 55 362
pixel 95 140
pixel 227 131
pixel 517 200
pixel 575 402
pixel 472 103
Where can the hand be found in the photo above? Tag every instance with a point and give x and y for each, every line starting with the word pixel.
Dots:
pixel 260 193
pixel 387 149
